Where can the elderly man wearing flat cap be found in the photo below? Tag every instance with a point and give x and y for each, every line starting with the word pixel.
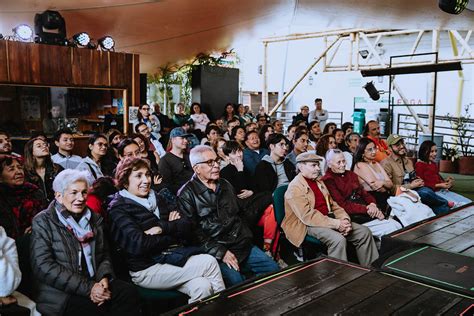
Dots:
pixel 309 209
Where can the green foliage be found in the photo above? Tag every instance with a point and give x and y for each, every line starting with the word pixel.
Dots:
pixel 450 153
pixel 181 75
pixel 463 127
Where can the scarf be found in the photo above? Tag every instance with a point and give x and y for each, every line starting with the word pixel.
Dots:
pixel 149 202
pixel 82 231
pixel 24 204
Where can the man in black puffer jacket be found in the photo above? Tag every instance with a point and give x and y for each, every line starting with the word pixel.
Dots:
pixel 212 206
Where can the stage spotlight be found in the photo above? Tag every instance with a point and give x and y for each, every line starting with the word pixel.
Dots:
pixel 372 90
pixel 50 28
pixel 23 33
pixel 452 6
pixel 364 53
pixel 106 43
pixel 81 39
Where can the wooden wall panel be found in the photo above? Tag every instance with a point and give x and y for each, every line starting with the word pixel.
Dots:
pixel 119 69
pixel 3 61
pixel 55 63
pixel 89 68
pixel 23 62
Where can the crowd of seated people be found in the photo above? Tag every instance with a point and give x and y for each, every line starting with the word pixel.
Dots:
pixel 187 203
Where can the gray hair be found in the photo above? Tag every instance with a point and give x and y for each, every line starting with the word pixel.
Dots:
pixel 67 177
pixel 331 154
pixel 197 153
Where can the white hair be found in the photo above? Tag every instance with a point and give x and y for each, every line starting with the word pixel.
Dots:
pixel 331 154
pixel 197 153
pixel 67 177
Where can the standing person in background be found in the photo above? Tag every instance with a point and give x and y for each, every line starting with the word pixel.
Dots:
pixel 180 115
pixel 319 114
pixel 165 122
pixel 175 166
pixel 200 119
pixel 372 131
pixel 64 140
pixel 39 168
pixel 302 116
pixel 54 121
pixel 144 116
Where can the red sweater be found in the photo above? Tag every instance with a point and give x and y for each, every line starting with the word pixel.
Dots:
pixel 429 172
pixel 320 202
pixel 341 186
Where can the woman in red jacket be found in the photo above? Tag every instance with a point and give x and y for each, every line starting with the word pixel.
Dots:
pixel 427 169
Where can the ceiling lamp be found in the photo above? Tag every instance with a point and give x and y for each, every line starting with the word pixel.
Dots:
pixel 106 43
pixel 81 39
pixel 50 28
pixel 23 33
pixel 452 6
pixel 372 90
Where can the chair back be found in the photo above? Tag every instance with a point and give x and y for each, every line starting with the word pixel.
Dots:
pixel 279 203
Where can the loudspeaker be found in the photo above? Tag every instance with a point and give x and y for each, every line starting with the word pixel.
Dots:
pixel 143 89
pixel 214 87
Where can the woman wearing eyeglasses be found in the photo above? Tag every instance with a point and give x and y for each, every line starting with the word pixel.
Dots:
pixel 39 168
pixel 372 176
pixel 144 116
pixel 93 163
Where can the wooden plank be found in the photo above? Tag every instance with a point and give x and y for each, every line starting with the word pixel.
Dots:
pixel 388 300
pixel 23 62
pixel 3 62
pixel 55 65
pixel 346 296
pixel 119 69
pixel 432 302
pixel 435 238
pixel 90 68
pixel 460 243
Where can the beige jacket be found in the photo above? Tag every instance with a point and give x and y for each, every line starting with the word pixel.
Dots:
pixel 393 166
pixel 300 212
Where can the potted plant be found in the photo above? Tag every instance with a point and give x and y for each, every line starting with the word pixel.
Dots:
pixel 463 125
pixel 449 161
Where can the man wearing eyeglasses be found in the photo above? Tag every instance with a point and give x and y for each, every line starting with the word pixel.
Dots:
pixel 211 204
pixel 175 166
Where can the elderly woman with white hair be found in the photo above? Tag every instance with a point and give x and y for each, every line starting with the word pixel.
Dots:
pixel 345 189
pixel 70 258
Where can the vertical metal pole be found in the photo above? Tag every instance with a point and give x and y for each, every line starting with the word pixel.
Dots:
pixel 432 100
pixel 264 72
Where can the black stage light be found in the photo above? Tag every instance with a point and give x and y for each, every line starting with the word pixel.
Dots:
pixel 50 28
pixel 453 6
pixel 106 43
pixel 372 90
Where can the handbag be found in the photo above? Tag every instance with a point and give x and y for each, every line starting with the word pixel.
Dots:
pixel 359 218
pixel 177 256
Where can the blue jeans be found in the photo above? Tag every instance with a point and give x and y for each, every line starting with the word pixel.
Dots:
pixel 451 196
pixel 257 262
pixel 438 204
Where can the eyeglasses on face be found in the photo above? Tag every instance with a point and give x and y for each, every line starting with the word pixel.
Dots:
pixel 373 149
pixel 210 162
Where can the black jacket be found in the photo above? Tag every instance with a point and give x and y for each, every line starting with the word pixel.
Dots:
pixel 55 261
pixel 300 117
pixel 175 171
pixel 128 222
pixel 215 216
pixel 45 186
pixel 266 178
